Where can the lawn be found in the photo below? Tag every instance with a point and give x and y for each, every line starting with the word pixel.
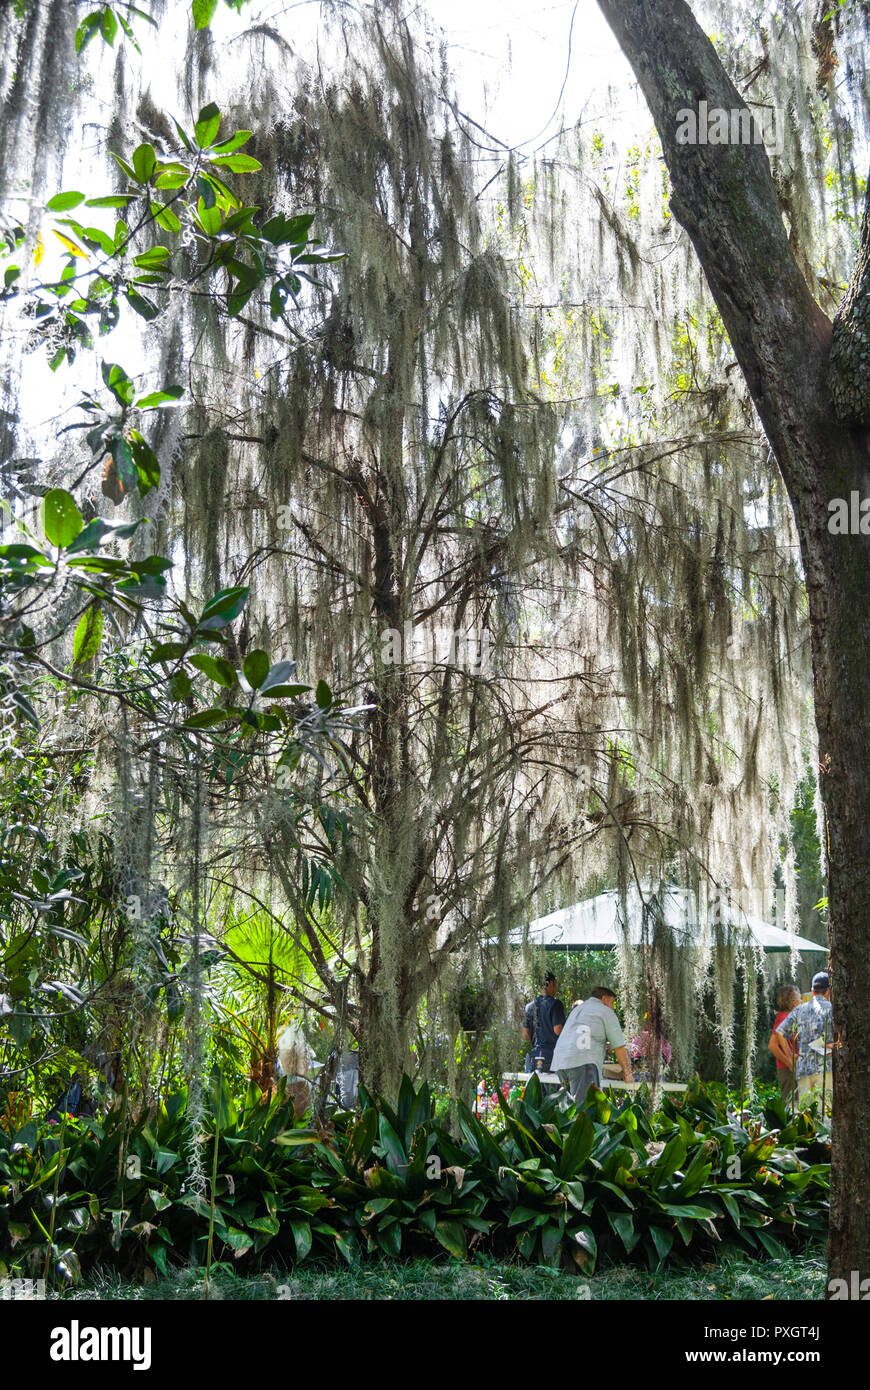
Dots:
pixel 800 1278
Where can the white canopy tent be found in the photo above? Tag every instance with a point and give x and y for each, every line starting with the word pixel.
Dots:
pixel 596 924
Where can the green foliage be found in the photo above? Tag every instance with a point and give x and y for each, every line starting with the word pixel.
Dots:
pixel 555 1184
pixel 203 11
pixel 105 264
pixel 106 22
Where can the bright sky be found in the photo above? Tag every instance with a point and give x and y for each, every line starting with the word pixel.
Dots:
pixel 523 68
pixel 515 56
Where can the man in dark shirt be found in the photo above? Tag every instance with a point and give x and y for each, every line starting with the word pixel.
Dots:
pixel 543 1021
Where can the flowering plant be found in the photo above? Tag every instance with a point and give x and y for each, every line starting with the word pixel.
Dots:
pixel 639 1048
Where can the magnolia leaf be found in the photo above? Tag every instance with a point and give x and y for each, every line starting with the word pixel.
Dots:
pixel 203 12
pixel 207 125
pixel 62 202
pixel 216 668
pixel 61 517
pixel 88 635
pixel 256 668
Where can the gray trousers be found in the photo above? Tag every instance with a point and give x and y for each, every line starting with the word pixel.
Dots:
pixel 579 1079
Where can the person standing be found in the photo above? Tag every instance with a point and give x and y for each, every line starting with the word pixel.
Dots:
pixel 811 1026
pixel 787 999
pixel 543 1021
pixel 579 1054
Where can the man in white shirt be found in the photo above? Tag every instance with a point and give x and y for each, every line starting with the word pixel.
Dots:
pixel 580 1048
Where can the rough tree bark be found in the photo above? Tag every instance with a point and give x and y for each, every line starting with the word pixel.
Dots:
pixel 815 409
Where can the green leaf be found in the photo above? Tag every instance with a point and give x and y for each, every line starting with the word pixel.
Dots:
pixel 578 1145
pixel 216 668
pixel 586 1253
pixel 142 306
pixel 96 530
pixel 118 382
pixel 281 672
pixel 88 635
pixel 179 687
pixel 88 29
pixel 203 12
pixel 238 1241
pixel 170 395
pixel 62 518
pixel 732 1206
pixel 222 1105
pixel 207 718
pixel 323 695
pixel 237 300
pixel 662 1240
pixel 165 217
pixel 234 143
pixel 144 163
pixel 362 1139
pixel 167 651
pixel 116 200
pixel 236 163
pixel 152 564
pixel 226 605
pixel 451 1235
pixel 690 1211
pixel 394 1149
pixel 771 1245
pixel 171 179
pixel 302 1237
pixel 108 25
pixel 209 217
pixel 280 229
pixel 122 455
pixel 123 165
pixel 153 258
pixel 147 466
pixel 23 555
pixel 256 668
pixel 185 138
pixel 622 1223
pixel 207 125
pixel 95 236
pixel 62 202
pixel 670 1160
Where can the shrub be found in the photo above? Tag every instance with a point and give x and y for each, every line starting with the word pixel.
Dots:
pixel 555 1184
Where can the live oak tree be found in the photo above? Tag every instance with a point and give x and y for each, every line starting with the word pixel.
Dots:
pixel 810 384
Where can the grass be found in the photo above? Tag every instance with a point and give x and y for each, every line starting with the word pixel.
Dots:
pixel 800 1278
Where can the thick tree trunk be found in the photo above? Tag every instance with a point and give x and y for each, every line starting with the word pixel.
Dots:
pixel 724 197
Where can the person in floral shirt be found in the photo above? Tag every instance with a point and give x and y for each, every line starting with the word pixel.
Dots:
pixel 811 1026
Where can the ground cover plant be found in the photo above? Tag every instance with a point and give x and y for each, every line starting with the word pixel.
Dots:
pixel 481 1278
pixel 556 1186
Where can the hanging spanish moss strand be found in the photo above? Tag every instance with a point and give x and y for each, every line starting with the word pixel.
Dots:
pixel 194 1059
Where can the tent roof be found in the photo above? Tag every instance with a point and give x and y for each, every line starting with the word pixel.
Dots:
pixel 595 924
